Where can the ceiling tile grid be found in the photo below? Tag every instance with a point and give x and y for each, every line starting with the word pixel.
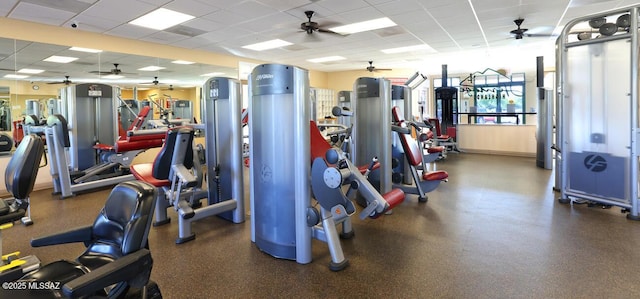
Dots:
pixel 224 26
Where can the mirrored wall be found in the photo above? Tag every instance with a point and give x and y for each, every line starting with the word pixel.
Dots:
pixel 33 72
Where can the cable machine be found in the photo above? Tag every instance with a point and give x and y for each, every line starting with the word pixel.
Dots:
pixel 598 94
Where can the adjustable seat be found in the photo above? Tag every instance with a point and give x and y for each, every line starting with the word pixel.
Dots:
pixel 20 176
pixel 116 262
pixel 429 180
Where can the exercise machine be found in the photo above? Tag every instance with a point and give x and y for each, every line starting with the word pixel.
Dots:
pixel 116 263
pixel 176 169
pixel 414 156
pixel 283 221
pixel 20 177
pixel 90 111
pixel 599 123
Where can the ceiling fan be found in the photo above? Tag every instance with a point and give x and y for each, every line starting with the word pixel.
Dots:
pixel 154 82
pixel 170 87
pixel 113 71
pixel 310 27
pixel 372 68
pixel 66 81
pixel 519 32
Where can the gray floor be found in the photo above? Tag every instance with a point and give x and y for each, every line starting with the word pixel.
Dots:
pixel 495 230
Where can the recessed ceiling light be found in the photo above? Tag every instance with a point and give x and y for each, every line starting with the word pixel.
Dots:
pixel 271 44
pixel 212 74
pixel 30 71
pixel 88 50
pixel 409 49
pixel 364 26
pixel 151 68
pixel 112 76
pixel 12 76
pixel 60 59
pixel 182 62
pixel 161 19
pixel 326 59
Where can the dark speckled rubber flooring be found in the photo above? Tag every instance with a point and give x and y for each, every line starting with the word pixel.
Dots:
pixel 495 230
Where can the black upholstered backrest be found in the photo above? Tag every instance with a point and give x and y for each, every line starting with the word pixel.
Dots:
pixel 162 162
pixel 21 173
pixel 123 224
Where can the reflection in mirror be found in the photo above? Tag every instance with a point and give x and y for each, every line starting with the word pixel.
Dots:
pixel 35 78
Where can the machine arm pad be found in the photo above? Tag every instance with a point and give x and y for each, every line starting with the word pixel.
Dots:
pixel 134 266
pixel 80 234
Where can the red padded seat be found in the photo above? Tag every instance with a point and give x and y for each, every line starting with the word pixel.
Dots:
pixel 435 149
pixel 143 172
pixel 437 175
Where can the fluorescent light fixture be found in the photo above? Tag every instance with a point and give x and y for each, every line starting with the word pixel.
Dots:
pixel 12 76
pixel 112 76
pixel 326 59
pixel 88 50
pixel 271 44
pixel 212 74
pixel 151 68
pixel 161 19
pixel 182 62
pixel 364 26
pixel 409 49
pixel 60 59
pixel 30 71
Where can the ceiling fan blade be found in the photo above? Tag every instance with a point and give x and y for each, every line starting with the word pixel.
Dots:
pixel 331 32
pixel 100 73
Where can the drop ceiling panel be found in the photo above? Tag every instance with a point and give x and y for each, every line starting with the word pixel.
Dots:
pixel 338 6
pixel 119 10
pixel 192 7
pixel 251 9
pixel 205 24
pixel 40 14
pixel 163 37
pixel 6 6
pixel 130 31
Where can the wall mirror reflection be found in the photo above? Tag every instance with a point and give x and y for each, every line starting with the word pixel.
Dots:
pixel 32 75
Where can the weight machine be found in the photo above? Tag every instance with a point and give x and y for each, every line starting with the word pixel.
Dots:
pixel 598 95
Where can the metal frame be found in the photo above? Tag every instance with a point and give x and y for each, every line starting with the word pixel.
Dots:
pixel 563 44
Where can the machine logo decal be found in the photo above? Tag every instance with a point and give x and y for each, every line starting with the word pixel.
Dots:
pixel 264 76
pixel 266 173
pixel 595 163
